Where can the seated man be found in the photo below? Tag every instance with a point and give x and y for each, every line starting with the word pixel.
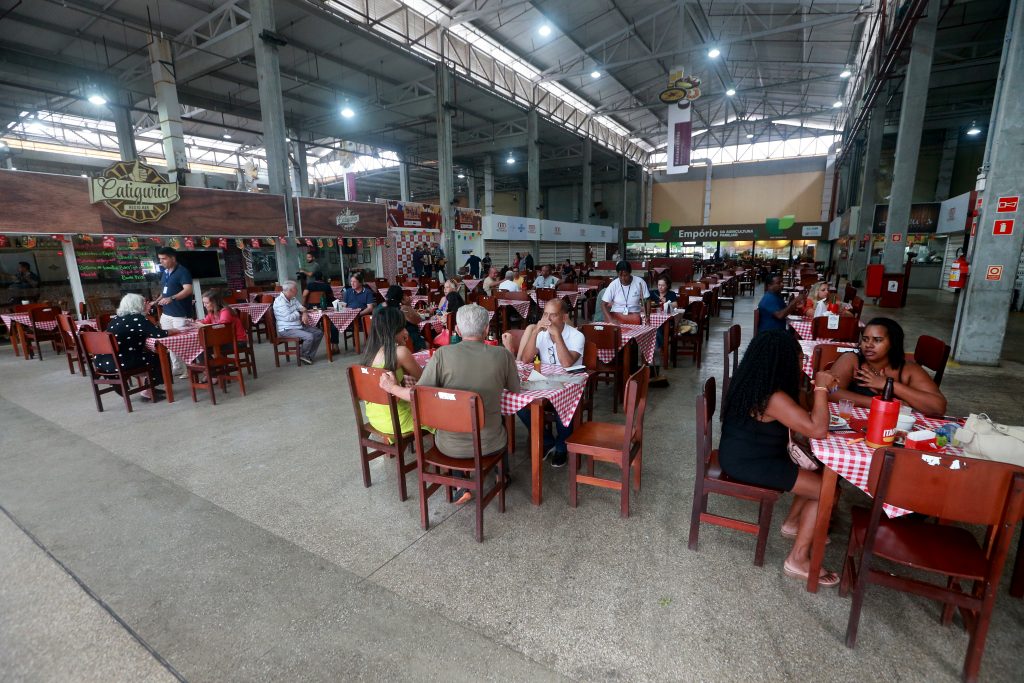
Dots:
pixel 359 297
pixel 509 283
pixel 545 279
pixel 293 321
pixel 773 308
pixel 627 299
pixel 556 343
pixel 470 365
pixel 316 284
pixel 25 278
pixel 491 282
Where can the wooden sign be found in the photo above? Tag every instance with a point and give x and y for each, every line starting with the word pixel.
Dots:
pixel 134 191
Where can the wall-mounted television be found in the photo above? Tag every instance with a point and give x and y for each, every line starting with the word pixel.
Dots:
pixel 203 264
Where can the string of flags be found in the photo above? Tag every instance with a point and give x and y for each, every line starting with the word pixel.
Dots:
pixel 190 242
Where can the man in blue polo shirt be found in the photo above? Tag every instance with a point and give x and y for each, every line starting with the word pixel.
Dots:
pixel 773 308
pixel 358 296
pixel 175 297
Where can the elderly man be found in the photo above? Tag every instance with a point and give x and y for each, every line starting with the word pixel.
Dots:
pixel 509 283
pixel 545 279
pixel 293 321
pixel 626 298
pixel 555 342
pixel 175 297
pixel 490 282
pixel 470 365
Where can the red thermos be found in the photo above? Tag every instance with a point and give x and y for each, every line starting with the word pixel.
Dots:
pixel 885 413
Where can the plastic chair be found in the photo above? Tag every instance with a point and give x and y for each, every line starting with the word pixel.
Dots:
pixel 215 365
pixel 621 444
pixel 932 353
pixel 105 344
pixel 461 412
pixel 711 479
pixel 364 386
pixel 969 491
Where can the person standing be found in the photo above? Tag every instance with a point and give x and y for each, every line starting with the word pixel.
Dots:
pixel 437 257
pixel 175 297
pixel 473 263
pixel 626 298
pixel 293 321
pixel 527 263
pixel 417 261
pixel 485 264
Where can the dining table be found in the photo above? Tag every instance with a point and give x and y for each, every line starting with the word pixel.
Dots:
pixel 563 392
pixel 184 343
pixel 808 346
pixel 522 307
pixel 844 453
pixel 341 320
pixel 802 326
pixel 16 324
pixel 571 296
pixel 255 311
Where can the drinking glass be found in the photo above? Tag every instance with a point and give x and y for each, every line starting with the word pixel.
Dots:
pixel 846 409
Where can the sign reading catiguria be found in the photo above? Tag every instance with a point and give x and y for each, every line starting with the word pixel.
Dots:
pixel 134 191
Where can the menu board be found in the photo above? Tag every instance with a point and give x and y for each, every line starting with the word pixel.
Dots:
pixel 120 264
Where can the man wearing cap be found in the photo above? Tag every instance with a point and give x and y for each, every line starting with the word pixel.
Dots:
pixel 627 298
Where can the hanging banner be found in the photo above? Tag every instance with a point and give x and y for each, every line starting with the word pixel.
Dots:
pixel 109 242
pixel 413 215
pixel 28 242
pixel 468 219
pixel 222 242
pixel 255 242
pixel 190 243
pixel 681 91
pixel 205 241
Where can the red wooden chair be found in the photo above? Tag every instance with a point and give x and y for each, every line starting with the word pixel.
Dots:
pixel 857 307
pixel 69 340
pixel 246 354
pixel 932 353
pixel 731 343
pixel 461 412
pixel 711 479
pixel 364 386
pixel 607 338
pixel 216 365
pixel 283 345
pixel 970 491
pixel 824 356
pixel 848 330
pixel 105 344
pixel 621 444
pixel 36 334
pixel 691 344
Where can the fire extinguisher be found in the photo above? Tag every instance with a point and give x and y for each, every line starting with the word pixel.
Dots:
pixel 958 271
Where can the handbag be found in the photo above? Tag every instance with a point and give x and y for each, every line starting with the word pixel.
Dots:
pixel 799 449
pixel 983 438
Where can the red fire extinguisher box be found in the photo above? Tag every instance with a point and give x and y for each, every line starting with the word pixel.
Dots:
pixel 873 280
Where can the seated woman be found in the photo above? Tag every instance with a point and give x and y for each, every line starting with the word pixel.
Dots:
pixel 217 312
pixel 386 349
pixel 820 302
pixel 861 376
pixel 452 300
pixel 757 414
pixel 401 300
pixel 132 328
pixel 663 294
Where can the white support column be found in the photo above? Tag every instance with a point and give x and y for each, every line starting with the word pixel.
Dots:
pixel 169 112
pixel 587 187
pixel 471 188
pixel 74 277
pixel 488 185
pixel 445 167
pixel 532 165
pixel 403 180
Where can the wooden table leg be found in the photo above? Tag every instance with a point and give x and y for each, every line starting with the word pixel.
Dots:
pixel 25 348
pixel 165 369
pixel 666 336
pixel 537 448
pixel 1017 583
pixel 325 322
pixel 357 325
pixel 825 499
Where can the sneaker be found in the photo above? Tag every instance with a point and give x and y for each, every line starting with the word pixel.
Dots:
pixel 307 361
pixel 547 454
pixel 559 459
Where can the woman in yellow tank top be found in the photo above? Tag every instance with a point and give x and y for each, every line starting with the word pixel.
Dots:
pixel 386 349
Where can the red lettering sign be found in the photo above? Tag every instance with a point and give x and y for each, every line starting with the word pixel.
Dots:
pixel 994 273
pixel 1007 205
pixel 897 237
pixel 1003 227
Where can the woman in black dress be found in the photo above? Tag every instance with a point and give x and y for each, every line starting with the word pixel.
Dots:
pixel 132 328
pixel 757 414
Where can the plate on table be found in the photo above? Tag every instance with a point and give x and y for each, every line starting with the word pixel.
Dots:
pixel 836 422
pixel 541 385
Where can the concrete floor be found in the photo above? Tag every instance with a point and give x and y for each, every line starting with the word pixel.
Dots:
pixel 236 542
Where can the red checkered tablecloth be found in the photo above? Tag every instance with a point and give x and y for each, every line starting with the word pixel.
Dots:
pixel 802 326
pixel 564 399
pixel 852 461
pixel 23 319
pixel 185 345
pixel 522 307
pixel 583 289
pixel 88 322
pixel 255 311
pixel 418 299
pixel 808 345
pixel 341 319
pixel 571 296
pixel 645 335
pixel 339 291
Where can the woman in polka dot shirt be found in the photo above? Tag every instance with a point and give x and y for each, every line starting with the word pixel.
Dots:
pixel 132 328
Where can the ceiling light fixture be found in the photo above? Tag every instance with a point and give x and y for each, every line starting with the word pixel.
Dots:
pixel 347 112
pixel 750 136
pixel 511 160
pixel 85 175
pixel 837 104
pixel 227 136
pixel 462 176
pixel 595 74
pixel 845 73
pixel 974 130
pixel 544 30
pixel 97 99
pixel 714 52
pixel 730 92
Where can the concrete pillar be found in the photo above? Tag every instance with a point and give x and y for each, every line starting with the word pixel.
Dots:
pixel 471 188
pixel 125 130
pixel 168 111
pixel 638 195
pixel 268 78
pixel 945 179
pixel 74 276
pixel 403 181
pixel 908 140
pixel 576 214
pixel 445 167
pixel 858 260
pixel 488 185
pixel 301 178
pixel 587 187
pixel 625 181
pixel 985 303
pixel 649 199
pixel 532 165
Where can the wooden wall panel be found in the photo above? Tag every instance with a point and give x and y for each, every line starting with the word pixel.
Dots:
pixel 319 218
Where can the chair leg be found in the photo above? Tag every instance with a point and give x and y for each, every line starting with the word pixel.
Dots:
pixel 501 484
pixel 624 492
pixel 574 466
pixel 96 394
pixel 424 517
pixel 976 644
pixel 637 467
pixel 764 521
pixel 364 462
pixel 124 392
pixel 699 503
pixel 480 509
pixel 400 463
pixel 857 602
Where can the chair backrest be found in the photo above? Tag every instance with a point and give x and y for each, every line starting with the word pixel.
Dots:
pixel 603 335
pixel 381 283
pixel 364 386
pixel 103 321
pixel 849 293
pixel 590 356
pixel 848 330
pixel 731 344
pixel 635 402
pixel 68 331
pixel 212 337
pixel 488 303
pixel 565 287
pixel 545 294
pixel 696 312
pixel 366 322
pixel 267 298
pixel 856 307
pixel 952 488
pixel 516 339
pixel 705 412
pixel 233 298
pixel 932 353
pixel 246 324
pixel 43 314
pixel 825 355
pixel 271 324
pixel 449 410
pixel 97 344
pixel 514 296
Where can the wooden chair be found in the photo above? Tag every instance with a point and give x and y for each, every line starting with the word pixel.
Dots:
pixel 757 320
pixel 364 386
pixel 516 339
pixel 69 340
pixel 731 344
pixel 691 344
pixel 105 344
pixel 35 334
pixel 292 346
pixel 215 365
pixel 848 330
pixel 932 353
pixel 747 284
pixel 857 307
pixel 727 299
pixel 103 321
pixel 711 479
pixel 462 412
pixel 381 283
pixel 313 299
pixel 544 295
pixel 954 489
pixel 247 354
pixel 849 293
pixel 607 338
pixel 621 444
pixel 589 361
pixel 825 355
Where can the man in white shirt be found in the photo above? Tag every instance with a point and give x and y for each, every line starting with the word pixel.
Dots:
pixel 545 279
pixel 556 343
pixel 509 283
pixel 491 282
pixel 292 320
pixel 627 297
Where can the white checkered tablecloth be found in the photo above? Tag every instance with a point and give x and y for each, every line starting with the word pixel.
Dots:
pixel 571 296
pixel 522 307
pixel 852 461
pixel 341 319
pixel 802 325
pixel 185 345
pixel 564 399
pixel 23 319
pixel 255 311
pixel 645 335
pixel 808 345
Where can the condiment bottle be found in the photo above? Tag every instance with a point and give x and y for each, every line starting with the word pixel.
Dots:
pixel 536 363
pixel 885 413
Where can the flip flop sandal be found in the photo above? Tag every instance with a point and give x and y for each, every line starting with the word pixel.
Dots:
pixel 826 580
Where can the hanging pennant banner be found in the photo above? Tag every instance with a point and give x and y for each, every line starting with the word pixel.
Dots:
pixel 174 243
pixel 269 241
pixel 133 242
pixel 28 242
pixel 222 242
pixel 309 242
pixel 255 242
pixel 240 243
pixel 190 243
pixel 330 243
pixel 109 242
pixel 282 240
pixel 3 241
pixel 86 238
pixel 320 244
pixel 205 241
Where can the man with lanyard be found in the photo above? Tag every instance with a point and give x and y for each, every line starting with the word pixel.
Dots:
pixel 175 297
pixel 626 298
